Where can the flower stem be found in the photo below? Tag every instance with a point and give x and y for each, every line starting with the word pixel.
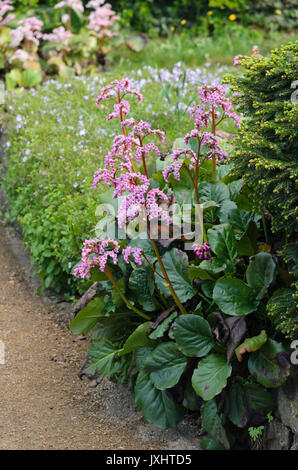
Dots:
pixel 213 157
pixel 165 274
pixel 125 300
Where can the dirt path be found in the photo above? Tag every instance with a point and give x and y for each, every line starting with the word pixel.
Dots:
pixel 43 405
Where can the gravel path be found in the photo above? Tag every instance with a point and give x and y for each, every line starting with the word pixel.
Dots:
pixel 43 404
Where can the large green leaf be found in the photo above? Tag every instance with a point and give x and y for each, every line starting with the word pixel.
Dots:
pixel 101 355
pixel 87 318
pixel 211 423
pixel 213 191
pixel 240 220
pixel 226 208
pixel 222 241
pixel 176 265
pixel 248 403
pixel 268 365
pixel 141 283
pixel 155 404
pixel 234 297
pixel 193 335
pixel 31 78
pixel 166 364
pixel 260 273
pixel 138 339
pixel 210 377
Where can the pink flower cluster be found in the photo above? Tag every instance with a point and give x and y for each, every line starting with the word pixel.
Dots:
pixel 96 252
pixel 73 4
pixel 59 35
pixel 127 151
pixel 215 97
pixel 102 18
pixel 136 252
pixel 201 250
pixel 216 108
pixel 5 6
pixel 29 29
pixel 116 91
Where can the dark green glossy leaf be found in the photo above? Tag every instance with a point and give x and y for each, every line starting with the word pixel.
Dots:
pixel 193 335
pixel 166 364
pixel 141 283
pixel 222 241
pixel 248 403
pixel 247 245
pixel 260 273
pixel 210 377
pixel 211 423
pixel 155 404
pixel 234 297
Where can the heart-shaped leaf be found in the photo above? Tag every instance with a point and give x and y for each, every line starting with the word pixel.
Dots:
pixel 193 335
pixel 234 297
pixel 210 377
pixel 155 404
pixel 166 364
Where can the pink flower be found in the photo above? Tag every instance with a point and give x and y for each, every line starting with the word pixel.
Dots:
pixel 154 200
pixel 29 29
pixel 201 250
pixel 116 90
pixel 136 252
pixel 215 97
pixel 73 4
pixel 102 18
pixel 58 35
pixel 95 253
pixel 5 6
pixel 176 166
pixel 237 60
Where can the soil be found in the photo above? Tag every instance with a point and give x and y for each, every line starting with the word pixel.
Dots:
pixel 43 403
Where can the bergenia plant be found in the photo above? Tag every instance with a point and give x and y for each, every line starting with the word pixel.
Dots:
pixel 102 18
pixel 5 7
pixel 70 5
pixel 28 33
pixel 205 344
